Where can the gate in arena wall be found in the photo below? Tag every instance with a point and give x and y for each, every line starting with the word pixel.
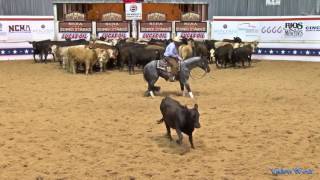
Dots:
pixel 156 27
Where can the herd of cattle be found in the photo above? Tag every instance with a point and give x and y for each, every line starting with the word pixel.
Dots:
pixel 100 54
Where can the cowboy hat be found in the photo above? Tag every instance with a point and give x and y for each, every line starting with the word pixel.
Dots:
pixel 177 39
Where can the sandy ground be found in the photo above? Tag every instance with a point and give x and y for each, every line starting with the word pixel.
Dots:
pixel 55 125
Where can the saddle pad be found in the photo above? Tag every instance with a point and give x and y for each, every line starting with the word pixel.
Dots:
pixel 162 64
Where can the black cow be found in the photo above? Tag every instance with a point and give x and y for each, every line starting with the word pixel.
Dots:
pixel 234 40
pixel 223 55
pixel 141 55
pixel 242 54
pixel 180 118
pixel 210 44
pixel 41 48
pixel 124 54
pixel 164 43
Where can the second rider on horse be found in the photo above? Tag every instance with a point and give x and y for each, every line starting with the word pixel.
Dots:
pixel 171 55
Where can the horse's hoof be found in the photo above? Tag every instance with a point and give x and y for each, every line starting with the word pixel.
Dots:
pixel 151 94
pixel 146 94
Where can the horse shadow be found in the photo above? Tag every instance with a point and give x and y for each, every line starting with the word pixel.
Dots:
pixel 174 93
pixel 168 93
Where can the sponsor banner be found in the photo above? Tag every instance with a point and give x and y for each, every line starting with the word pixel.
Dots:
pixel 155 27
pixel 113 30
pixel 267 29
pixel 133 11
pixel 195 30
pixel 75 26
pixel 74 30
pixel 247 31
pixel 112 27
pixel 114 35
pixel 155 35
pixel 193 35
pixel 191 27
pixel 31 29
pixel 74 36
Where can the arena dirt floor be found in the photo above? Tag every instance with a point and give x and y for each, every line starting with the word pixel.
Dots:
pixel 56 125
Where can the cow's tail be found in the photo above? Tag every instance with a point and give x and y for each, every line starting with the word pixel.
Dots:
pixel 160 121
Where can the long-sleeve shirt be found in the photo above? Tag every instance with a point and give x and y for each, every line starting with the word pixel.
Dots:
pixel 171 51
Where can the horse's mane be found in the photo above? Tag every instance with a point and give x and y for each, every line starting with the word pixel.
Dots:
pixel 193 58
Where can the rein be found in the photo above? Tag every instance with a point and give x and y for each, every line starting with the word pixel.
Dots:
pixel 202 76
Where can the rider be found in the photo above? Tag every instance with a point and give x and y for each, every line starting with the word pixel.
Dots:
pixel 172 57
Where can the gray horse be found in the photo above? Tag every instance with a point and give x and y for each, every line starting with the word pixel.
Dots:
pixel 151 74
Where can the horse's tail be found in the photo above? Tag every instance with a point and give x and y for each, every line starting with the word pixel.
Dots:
pixel 144 72
pixel 146 68
pixel 145 76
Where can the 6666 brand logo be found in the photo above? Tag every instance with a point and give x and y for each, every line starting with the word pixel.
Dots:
pixel 272 29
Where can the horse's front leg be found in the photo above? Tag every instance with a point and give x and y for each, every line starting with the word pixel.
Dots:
pixel 189 90
pixel 186 84
pixel 182 88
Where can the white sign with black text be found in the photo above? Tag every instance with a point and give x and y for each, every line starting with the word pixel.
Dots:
pixel 133 11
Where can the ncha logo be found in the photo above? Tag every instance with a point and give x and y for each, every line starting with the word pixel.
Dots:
pixel 19 28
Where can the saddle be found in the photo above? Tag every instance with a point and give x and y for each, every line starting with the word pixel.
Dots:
pixel 162 64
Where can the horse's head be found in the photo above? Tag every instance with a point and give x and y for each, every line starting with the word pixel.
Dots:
pixel 204 64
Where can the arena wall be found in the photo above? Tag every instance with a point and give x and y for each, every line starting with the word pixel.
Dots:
pixel 17 31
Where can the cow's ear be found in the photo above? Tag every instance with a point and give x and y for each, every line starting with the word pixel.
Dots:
pixel 196 106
